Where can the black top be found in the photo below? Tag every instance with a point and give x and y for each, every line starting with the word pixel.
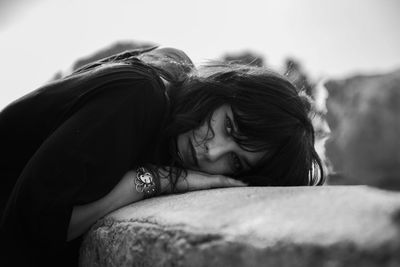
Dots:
pixel 69 143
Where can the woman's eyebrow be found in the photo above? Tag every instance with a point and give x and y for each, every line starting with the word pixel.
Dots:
pixel 235 126
pixel 235 129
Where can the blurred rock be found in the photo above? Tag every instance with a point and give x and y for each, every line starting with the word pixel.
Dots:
pixel 255 226
pixel 247 58
pixel 295 73
pixel 108 51
pixel 364 118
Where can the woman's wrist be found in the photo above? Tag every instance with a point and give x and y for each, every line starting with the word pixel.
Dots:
pixel 124 192
pixel 147 181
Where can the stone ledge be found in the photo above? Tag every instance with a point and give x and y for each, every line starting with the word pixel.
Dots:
pixel 281 226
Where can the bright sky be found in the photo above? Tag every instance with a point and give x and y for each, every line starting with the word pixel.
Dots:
pixel 334 38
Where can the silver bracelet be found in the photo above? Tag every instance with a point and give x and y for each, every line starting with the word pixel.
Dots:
pixel 146 183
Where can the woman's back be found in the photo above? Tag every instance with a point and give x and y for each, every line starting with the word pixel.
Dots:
pixel 68 149
pixel 27 122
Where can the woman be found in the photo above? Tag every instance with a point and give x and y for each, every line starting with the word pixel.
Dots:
pixel 137 125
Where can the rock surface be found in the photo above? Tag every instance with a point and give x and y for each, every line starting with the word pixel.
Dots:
pixel 364 117
pixel 281 226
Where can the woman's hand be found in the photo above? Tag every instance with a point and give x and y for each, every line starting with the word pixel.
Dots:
pixel 197 181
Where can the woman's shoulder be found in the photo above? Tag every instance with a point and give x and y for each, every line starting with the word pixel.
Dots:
pixel 136 75
pixel 132 70
pixel 151 64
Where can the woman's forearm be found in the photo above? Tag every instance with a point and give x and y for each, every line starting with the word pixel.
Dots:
pixel 125 193
pixel 86 215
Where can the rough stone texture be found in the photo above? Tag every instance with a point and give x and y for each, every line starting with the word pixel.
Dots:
pixel 282 226
pixel 364 117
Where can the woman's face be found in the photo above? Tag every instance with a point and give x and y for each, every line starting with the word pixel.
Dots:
pixel 218 154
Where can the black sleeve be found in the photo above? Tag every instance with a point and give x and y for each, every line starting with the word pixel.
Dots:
pixel 82 161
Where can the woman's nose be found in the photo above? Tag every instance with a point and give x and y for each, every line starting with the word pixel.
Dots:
pixel 216 149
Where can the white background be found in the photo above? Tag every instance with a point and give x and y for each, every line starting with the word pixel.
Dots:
pixel 333 38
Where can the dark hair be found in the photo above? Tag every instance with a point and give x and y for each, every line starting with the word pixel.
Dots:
pixel 271 115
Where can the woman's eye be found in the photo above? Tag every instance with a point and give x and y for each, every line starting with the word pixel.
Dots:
pixel 228 125
pixel 237 165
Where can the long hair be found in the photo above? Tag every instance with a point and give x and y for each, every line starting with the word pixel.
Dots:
pixel 270 113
